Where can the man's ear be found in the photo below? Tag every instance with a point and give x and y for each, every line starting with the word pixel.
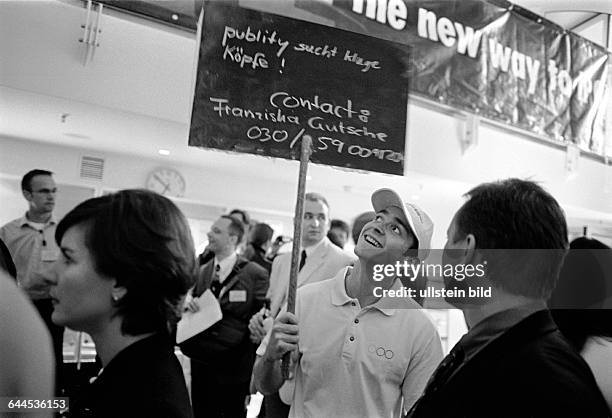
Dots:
pixel 470 251
pixel 27 195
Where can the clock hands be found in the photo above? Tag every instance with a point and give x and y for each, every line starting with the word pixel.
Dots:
pixel 166 181
pixel 166 185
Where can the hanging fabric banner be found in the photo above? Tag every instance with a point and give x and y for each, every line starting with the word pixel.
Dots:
pixel 492 58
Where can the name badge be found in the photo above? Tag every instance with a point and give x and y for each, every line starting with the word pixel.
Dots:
pixel 237 296
pixel 49 255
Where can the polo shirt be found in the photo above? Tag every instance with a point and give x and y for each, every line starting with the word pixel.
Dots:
pixel 33 250
pixel 360 362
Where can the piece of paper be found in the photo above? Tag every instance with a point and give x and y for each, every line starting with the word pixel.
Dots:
pixel 192 323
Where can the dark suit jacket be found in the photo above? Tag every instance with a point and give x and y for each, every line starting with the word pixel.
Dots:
pixel 257 255
pixel 143 380
pixel 247 291
pixel 529 371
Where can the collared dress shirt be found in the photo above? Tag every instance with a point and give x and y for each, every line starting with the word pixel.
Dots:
pixel 34 251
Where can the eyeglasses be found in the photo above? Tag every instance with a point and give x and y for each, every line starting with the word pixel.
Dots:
pixel 46 191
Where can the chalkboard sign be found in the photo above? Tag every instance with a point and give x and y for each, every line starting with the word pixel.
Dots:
pixel 264 81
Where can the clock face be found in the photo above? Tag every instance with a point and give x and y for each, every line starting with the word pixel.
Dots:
pixel 167 182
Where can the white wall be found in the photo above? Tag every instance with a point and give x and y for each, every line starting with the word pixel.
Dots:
pixel 126 171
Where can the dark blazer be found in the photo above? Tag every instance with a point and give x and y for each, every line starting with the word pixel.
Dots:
pixel 257 255
pixel 240 298
pixel 529 371
pixel 143 380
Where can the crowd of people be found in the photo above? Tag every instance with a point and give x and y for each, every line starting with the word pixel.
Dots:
pixel 122 267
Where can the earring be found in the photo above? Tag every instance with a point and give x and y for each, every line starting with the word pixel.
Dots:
pixel 115 298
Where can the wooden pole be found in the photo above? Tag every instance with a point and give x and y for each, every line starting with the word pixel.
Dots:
pixel 297 238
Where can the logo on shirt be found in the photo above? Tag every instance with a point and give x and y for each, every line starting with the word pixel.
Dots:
pixel 381 352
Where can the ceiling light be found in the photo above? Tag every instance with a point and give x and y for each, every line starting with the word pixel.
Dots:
pixel 163 152
pixel 77 135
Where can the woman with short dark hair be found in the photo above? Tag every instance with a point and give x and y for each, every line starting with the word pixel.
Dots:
pixel 127 260
pixel 581 305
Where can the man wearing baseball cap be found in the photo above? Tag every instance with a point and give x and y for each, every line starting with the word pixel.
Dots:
pixel 357 353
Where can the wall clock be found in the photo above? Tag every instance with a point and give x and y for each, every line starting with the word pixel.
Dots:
pixel 167 182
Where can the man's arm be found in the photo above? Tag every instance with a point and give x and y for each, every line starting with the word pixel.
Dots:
pixel 274 277
pixel 283 339
pixel 425 359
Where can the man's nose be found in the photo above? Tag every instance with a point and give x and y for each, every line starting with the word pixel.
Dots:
pixel 379 229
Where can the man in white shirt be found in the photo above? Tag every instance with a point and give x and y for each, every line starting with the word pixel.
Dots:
pixel 31 242
pixel 320 260
pixel 359 354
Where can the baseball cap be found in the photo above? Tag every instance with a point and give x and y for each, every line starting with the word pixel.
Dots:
pixel 420 223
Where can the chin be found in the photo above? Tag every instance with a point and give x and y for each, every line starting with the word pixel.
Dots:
pixel 58 319
pixel 368 253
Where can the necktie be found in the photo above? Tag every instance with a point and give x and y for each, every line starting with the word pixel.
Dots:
pixel 215 284
pixel 440 376
pixel 302 260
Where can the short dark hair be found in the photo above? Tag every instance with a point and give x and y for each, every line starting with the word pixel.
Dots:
pixel 580 304
pixel 516 214
pixel 142 240
pixel 260 234
pixel 316 197
pixel 235 227
pixel 244 216
pixel 360 222
pixel 339 223
pixel 26 181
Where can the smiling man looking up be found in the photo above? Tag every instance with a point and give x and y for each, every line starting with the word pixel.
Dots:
pixel 358 355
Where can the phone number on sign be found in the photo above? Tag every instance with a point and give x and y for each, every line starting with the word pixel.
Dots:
pixel 322 143
pixel 24 404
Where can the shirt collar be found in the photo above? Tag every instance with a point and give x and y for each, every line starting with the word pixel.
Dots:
pixel 310 250
pixel 25 221
pixel 383 304
pixel 226 265
pixel 495 325
pixel 339 296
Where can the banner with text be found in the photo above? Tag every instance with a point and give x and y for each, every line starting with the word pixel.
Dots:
pixel 264 81
pixel 492 58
